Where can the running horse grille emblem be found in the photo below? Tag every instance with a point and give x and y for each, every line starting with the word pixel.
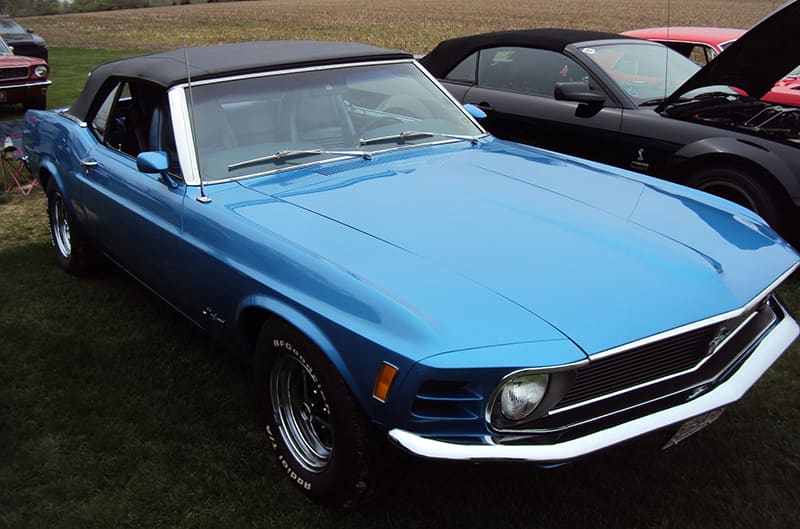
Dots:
pixel 722 333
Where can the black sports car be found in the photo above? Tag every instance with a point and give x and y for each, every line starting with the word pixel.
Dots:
pixel 642 106
pixel 24 42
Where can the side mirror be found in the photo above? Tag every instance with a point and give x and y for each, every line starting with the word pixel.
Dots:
pixel 579 92
pixel 152 162
pixel 156 162
pixel 474 111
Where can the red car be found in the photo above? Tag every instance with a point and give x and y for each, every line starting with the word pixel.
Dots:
pixel 23 79
pixel 703 44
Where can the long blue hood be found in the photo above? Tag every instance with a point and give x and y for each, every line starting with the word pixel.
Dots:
pixel 605 257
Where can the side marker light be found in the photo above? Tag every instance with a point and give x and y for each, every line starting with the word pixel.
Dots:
pixel 384 381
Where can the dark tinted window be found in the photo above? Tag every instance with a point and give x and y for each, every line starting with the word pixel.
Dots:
pixel 9 26
pixel 526 70
pixel 465 71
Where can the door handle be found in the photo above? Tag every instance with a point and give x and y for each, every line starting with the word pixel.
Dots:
pixel 486 107
pixel 88 162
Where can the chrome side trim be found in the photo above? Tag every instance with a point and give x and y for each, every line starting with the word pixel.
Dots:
pixel 764 294
pixel 65 112
pixel 765 354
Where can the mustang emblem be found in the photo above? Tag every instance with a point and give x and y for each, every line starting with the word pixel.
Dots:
pixel 722 334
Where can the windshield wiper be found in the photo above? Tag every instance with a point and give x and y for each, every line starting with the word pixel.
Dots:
pixel 406 134
pixel 652 102
pixel 297 153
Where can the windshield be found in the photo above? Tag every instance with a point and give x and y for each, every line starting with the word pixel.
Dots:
pixel 641 68
pixel 252 126
pixel 9 26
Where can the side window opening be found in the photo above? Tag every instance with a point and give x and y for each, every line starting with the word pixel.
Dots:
pixel 527 70
pixel 133 118
pixel 100 120
pixel 466 71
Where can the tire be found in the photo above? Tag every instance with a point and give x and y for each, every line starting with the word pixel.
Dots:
pixel 40 103
pixel 744 189
pixel 73 251
pixel 321 438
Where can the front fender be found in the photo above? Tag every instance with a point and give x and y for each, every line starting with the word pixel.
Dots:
pixel 741 152
pixel 360 372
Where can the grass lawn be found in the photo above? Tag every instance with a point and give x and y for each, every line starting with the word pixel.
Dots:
pixel 114 412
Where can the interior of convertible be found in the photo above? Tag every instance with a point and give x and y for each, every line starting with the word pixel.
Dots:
pixel 330 110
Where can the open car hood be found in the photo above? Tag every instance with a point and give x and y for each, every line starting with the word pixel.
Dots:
pixel 757 60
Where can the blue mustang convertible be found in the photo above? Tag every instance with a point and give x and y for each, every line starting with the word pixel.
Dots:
pixel 389 269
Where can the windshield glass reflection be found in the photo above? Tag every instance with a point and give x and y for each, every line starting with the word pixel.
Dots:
pixel 644 71
pixel 254 126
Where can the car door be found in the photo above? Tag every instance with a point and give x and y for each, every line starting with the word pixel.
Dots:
pixel 515 87
pixel 136 216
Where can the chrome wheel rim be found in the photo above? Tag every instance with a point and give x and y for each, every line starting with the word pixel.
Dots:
pixel 60 227
pixel 302 413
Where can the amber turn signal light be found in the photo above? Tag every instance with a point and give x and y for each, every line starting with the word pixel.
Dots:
pixel 384 381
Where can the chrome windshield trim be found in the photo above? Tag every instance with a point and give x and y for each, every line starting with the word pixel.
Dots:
pixel 184 140
pixel 765 354
pixel 271 73
pixel 764 294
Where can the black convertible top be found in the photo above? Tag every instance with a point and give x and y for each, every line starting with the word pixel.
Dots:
pixel 448 53
pixel 169 68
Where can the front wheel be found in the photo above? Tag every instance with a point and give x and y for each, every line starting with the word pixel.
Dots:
pixel 743 188
pixel 321 438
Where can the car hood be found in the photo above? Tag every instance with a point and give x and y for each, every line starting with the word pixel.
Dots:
pixel 605 258
pixel 757 60
pixel 12 38
pixel 9 61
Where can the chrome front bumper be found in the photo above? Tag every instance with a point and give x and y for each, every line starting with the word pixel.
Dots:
pixel 765 354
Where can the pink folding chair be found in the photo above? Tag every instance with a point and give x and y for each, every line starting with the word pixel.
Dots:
pixel 15 174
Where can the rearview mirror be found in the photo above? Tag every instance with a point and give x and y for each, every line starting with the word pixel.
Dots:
pixel 579 92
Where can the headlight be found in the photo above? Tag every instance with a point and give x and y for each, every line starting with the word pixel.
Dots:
pixel 40 71
pixel 519 396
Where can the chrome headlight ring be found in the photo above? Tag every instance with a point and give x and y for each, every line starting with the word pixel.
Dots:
pixel 525 395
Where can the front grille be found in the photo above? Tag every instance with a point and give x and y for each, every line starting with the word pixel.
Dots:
pixel 8 74
pixel 644 379
pixel 29 50
pixel 640 365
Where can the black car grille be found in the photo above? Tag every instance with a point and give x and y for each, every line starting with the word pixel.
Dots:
pixel 640 365
pixel 28 50
pixel 8 74
pixel 644 379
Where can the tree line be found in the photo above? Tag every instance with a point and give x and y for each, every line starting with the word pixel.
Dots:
pixel 22 8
